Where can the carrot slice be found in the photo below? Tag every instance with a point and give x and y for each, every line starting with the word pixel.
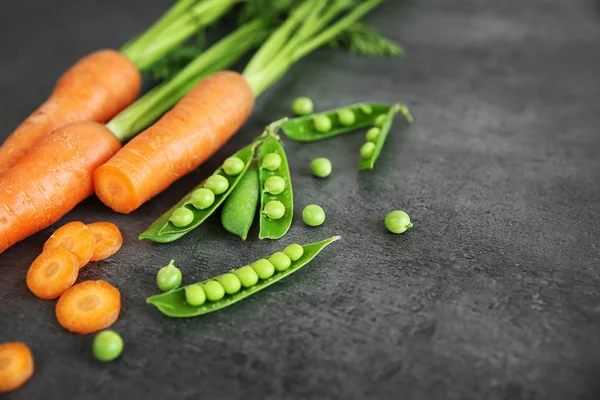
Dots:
pixel 108 240
pixel 16 365
pixel 52 273
pixel 89 307
pixel 75 237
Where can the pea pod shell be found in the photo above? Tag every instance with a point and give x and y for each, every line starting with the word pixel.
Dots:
pixel 302 129
pixel 385 129
pixel 269 228
pixel 163 231
pixel 240 207
pixel 173 303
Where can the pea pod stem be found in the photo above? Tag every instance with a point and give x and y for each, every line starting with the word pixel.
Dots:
pixel 173 303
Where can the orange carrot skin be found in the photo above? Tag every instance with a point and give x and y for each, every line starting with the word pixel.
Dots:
pixel 52 179
pixel 95 89
pixel 15 372
pixel 178 143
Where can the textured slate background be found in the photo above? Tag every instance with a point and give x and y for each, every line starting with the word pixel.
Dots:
pixel 493 294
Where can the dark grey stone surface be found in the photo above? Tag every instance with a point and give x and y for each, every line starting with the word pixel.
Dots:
pixel 492 295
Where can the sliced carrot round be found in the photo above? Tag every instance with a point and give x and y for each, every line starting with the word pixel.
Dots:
pixel 108 240
pixel 75 237
pixel 52 273
pixel 89 307
pixel 16 365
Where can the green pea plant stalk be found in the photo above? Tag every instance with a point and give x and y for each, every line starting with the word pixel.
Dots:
pixel 311 25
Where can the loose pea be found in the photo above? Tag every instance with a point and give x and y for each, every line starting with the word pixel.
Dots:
pixel 233 166
pixel 321 167
pixel 194 295
pixel 294 251
pixel 271 161
pixel 365 108
pixel 202 198
pixel 398 221
pixel 264 268
pixel 218 184
pixel 367 149
pixel 380 120
pixel 302 106
pixel 313 215
pixel 169 277
pixel 214 291
pixel 230 283
pixel 274 209
pixel 346 117
pixel 182 217
pixel 107 346
pixel 275 185
pixel 280 261
pixel 322 123
pixel 373 134
pixel 247 276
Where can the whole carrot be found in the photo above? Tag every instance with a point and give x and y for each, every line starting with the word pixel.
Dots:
pixel 180 141
pixel 96 88
pixel 52 179
pixel 103 83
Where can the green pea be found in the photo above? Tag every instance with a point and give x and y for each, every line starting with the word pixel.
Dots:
pixel 322 123
pixel 302 106
pixel 313 215
pixel 373 134
pixel 294 251
pixel 264 268
pixel 169 277
pixel 230 283
pixel 194 295
pixel 218 184
pixel 247 276
pixel 367 150
pixel 233 166
pixel 346 117
pixel 214 291
pixel 275 185
pixel 398 221
pixel 367 109
pixel 274 209
pixel 107 346
pixel 182 217
pixel 202 198
pixel 321 167
pixel 271 161
pixel 379 121
pixel 280 261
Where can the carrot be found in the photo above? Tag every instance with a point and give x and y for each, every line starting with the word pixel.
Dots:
pixel 96 88
pixel 16 365
pixel 178 143
pixel 52 179
pixel 75 237
pixel 88 307
pixel 52 273
pixel 108 240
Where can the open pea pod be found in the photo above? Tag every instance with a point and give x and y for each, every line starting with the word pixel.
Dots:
pixel 369 162
pixel 174 303
pixel 163 231
pixel 303 129
pixel 275 228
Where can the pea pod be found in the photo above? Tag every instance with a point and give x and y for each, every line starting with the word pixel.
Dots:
pixel 275 228
pixel 163 231
pixel 369 162
pixel 303 129
pixel 174 303
pixel 240 207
